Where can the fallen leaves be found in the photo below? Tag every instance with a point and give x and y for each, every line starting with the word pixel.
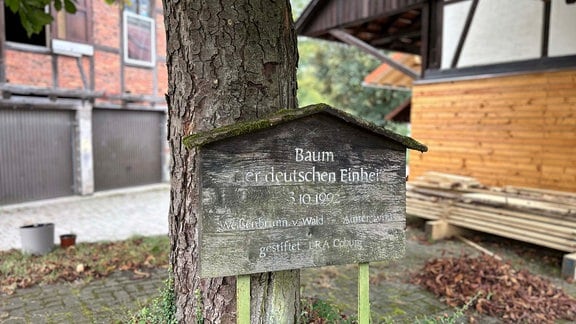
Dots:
pixel 83 261
pixel 503 292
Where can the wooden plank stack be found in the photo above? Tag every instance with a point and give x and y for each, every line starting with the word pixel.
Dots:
pixel 542 217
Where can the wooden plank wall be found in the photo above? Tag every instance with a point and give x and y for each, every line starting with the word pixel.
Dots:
pixel 515 130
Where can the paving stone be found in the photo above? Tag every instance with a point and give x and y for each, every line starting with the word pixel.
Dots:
pixel 122 296
pixel 108 216
pixel 110 300
pixel 101 217
pixel 53 305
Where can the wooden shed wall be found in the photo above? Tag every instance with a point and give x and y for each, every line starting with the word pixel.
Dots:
pixel 515 130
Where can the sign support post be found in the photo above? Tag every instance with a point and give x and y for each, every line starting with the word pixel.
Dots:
pixel 303 188
pixel 243 299
pixel 363 293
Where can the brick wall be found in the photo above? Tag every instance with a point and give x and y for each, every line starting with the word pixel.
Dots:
pixel 106 25
pixel 138 80
pixel 28 68
pixel 161 70
pixel 69 75
pixel 40 67
pixel 107 66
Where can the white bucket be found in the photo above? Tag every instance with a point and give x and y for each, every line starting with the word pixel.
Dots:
pixel 37 238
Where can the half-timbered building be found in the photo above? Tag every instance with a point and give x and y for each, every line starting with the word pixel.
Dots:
pixel 82 106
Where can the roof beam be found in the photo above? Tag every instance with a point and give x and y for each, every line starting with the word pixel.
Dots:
pixel 391 38
pixel 546 29
pixel 8 90
pixel 464 34
pixel 2 42
pixel 367 48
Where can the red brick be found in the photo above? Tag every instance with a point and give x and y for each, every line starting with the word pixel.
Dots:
pixel 69 73
pixel 107 72
pixel 29 68
pixel 162 72
pixel 35 69
pixel 106 26
pixel 138 80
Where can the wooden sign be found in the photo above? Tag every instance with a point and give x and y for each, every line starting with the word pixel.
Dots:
pixel 312 190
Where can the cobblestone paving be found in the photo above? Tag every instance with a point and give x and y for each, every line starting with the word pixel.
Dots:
pixel 119 215
pixel 109 300
pixel 394 299
pixel 107 216
pixel 113 215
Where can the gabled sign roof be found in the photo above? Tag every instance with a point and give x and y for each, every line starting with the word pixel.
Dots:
pixel 287 115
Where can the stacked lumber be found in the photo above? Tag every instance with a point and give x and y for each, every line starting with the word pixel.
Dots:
pixel 542 217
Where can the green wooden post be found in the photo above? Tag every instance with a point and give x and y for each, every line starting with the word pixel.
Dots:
pixel 363 293
pixel 243 299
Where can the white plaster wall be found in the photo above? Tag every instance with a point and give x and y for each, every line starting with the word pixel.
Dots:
pixel 454 18
pixel 501 31
pixel 562 29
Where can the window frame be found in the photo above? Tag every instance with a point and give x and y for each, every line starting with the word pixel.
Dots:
pixel 45 34
pixel 63 21
pixel 126 16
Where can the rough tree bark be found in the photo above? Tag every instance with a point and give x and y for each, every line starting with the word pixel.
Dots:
pixel 228 61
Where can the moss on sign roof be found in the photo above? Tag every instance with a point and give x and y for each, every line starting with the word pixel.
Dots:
pixel 287 115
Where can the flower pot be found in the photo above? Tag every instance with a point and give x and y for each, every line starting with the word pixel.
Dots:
pixel 37 238
pixel 67 240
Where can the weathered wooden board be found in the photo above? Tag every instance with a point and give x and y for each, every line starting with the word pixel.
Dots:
pixel 312 192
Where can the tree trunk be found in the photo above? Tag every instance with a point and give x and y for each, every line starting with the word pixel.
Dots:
pixel 228 61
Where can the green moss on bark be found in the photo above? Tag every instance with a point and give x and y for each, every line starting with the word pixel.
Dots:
pixel 287 115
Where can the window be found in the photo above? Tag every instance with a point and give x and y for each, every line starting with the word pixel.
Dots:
pixel 139 34
pixel 75 27
pixel 140 7
pixel 16 33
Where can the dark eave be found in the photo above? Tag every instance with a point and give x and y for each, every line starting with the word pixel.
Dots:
pixel 388 25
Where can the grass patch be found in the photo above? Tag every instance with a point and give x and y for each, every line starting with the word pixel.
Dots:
pixel 314 310
pixel 84 261
pixel 162 309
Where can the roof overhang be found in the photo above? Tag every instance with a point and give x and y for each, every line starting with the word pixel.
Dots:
pixel 388 77
pixel 385 25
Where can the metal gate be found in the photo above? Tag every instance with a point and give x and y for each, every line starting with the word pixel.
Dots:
pixel 36 154
pixel 126 147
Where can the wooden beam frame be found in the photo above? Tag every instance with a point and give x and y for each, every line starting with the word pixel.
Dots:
pixel 2 42
pixel 431 48
pixel 9 89
pixel 425 43
pixel 367 48
pixel 464 34
pixel 546 28
pixel 502 69
pixel 82 73
pixel 388 39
